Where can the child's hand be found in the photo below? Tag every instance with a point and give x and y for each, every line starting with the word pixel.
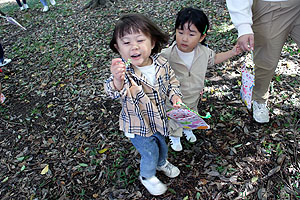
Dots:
pixel 117 68
pixel 236 50
pixel 175 100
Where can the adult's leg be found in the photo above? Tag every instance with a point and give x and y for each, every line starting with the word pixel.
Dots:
pixel 19 3
pixel 24 1
pixel 272 22
pixel 295 32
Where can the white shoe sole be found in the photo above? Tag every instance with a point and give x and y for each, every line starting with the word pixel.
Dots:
pixel 175 149
pixel 155 193
pixel 45 9
pixel 261 121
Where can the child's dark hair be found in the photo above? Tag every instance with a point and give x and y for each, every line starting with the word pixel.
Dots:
pixel 192 16
pixel 134 23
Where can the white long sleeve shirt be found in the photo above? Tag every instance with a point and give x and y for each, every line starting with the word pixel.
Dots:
pixel 241 14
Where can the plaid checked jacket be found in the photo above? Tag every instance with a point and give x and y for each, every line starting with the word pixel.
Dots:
pixel 143 105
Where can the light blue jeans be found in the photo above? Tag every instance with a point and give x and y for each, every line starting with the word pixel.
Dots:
pixel 44 2
pixel 153 151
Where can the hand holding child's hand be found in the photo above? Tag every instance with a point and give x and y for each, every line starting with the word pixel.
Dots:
pixel 236 50
pixel 175 100
pixel 117 68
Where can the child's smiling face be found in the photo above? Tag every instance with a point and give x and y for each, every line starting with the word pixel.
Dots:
pixel 137 47
pixel 188 37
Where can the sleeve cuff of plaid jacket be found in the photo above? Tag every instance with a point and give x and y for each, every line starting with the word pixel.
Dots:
pixel 174 91
pixel 111 90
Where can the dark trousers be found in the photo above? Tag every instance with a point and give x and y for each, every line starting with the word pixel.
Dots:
pixel 19 2
pixel 1 53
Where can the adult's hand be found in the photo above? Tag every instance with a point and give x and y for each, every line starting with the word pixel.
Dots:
pixel 246 42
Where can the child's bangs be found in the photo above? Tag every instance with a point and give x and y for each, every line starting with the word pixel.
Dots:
pixel 130 28
pixel 183 22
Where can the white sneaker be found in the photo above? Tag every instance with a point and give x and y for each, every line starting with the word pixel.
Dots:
pixel 169 170
pixel 45 9
pixel 260 112
pixel 154 185
pixel 189 135
pixel 52 2
pixel 21 8
pixel 25 6
pixel 175 143
pixel 5 62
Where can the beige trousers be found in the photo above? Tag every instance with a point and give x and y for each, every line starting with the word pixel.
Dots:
pixel 273 22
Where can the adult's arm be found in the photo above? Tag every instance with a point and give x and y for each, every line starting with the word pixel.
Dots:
pixel 241 16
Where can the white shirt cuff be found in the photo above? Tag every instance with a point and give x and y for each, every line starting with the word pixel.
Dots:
pixel 244 29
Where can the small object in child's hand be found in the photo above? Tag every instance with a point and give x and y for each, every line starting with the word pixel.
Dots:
pixel 2 98
pixel 127 63
pixel 187 119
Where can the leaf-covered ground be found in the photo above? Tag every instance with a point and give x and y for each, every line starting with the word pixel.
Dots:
pixel 59 136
